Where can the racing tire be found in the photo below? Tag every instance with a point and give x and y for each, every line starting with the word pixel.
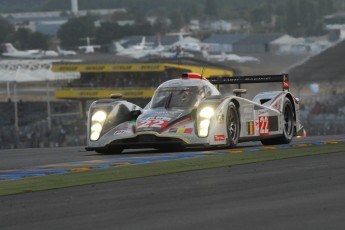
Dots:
pixel 107 151
pixel 288 126
pixel 233 125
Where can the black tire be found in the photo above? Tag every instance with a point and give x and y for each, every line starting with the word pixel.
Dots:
pixel 288 126
pixel 233 125
pixel 109 150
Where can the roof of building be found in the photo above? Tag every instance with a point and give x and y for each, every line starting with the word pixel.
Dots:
pixel 258 39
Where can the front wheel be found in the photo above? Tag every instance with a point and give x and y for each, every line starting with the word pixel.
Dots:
pixel 288 126
pixel 233 125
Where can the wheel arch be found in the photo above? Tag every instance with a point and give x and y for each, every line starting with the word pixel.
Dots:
pixel 289 96
pixel 237 104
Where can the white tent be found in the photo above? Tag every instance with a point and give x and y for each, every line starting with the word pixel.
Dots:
pixel 287 44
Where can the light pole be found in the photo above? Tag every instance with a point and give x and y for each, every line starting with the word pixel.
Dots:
pixel 49 120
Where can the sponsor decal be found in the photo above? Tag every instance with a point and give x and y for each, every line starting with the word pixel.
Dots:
pixel 181 130
pixel 263 111
pixel 119 132
pixel 153 122
pixel 220 118
pixel 263 126
pixel 250 128
pixel 220 137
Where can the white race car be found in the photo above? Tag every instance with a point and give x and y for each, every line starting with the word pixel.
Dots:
pixel 191 111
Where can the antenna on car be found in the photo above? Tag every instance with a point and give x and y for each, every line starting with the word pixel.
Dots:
pixel 202 71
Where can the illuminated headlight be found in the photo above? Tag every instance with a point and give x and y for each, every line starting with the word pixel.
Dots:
pixel 97 121
pixel 205 123
pixel 99 116
pixel 97 127
pixel 203 127
pixel 94 136
pixel 206 112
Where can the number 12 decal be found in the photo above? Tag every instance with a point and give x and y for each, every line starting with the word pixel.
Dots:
pixel 263 126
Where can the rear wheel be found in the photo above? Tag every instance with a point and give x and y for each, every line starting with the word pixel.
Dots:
pixel 233 125
pixel 288 126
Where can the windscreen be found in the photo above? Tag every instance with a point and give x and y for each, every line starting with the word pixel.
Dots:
pixel 172 97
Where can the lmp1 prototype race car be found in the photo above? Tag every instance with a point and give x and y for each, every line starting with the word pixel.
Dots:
pixel 191 112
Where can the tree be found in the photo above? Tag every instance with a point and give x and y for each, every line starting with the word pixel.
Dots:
pixel 20 38
pixel 108 32
pixel 75 29
pixel 5 30
pixel 211 8
pixel 38 40
pixel 177 20
pixel 161 25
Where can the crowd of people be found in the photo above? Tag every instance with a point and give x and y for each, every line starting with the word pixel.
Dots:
pixel 326 117
pixel 38 135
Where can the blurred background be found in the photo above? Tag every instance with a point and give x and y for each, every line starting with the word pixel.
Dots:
pixel 59 56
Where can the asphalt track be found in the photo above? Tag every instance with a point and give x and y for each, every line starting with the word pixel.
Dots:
pixel 296 193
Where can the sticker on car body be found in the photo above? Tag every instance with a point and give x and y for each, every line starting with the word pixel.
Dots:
pixel 153 122
pixel 263 126
pixel 220 137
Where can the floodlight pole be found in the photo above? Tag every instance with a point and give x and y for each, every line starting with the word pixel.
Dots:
pixel 16 127
pixel 8 90
pixel 49 120
pixel 15 106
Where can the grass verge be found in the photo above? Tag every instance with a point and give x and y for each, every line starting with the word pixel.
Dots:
pixel 40 183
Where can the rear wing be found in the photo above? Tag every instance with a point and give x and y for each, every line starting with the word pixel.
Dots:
pixel 221 80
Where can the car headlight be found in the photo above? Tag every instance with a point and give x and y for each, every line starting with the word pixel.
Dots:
pixel 97 121
pixel 207 112
pixel 205 115
pixel 99 116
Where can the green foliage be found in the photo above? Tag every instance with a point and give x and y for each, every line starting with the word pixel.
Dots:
pixel 5 30
pixel 177 20
pixel 76 29
pixel 305 17
pixel 25 39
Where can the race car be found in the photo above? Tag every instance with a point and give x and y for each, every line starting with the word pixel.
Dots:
pixel 191 112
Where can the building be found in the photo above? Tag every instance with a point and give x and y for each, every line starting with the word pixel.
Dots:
pixel 221 42
pixel 255 44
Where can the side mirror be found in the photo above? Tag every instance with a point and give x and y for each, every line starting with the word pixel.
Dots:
pixel 239 92
pixel 116 96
